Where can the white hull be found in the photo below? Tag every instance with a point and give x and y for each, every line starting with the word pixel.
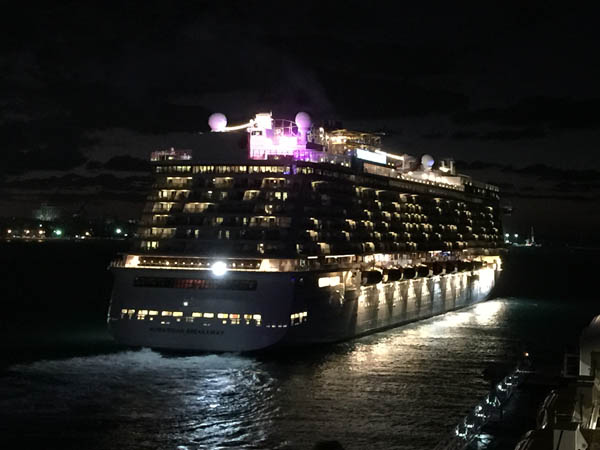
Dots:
pixel 326 314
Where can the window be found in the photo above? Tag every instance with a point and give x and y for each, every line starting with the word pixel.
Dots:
pixel 185 283
pixel 197 207
pixel 329 281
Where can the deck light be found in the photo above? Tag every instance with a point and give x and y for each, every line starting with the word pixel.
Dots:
pixel 219 268
pixel 118 231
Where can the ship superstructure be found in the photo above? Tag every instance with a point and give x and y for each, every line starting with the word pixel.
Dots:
pixel 279 231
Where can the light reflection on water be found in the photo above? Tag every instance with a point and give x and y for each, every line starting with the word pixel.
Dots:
pixel 405 388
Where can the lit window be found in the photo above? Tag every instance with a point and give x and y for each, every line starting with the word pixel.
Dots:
pixel 222 316
pixel 131 311
pixel 209 315
pixel 167 313
pixel 123 311
pixel 257 317
pixel 234 316
pixel 177 314
pixel 329 281
pixel 153 313
pixel 196 314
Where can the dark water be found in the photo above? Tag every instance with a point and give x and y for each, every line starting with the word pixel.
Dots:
pixel 66 385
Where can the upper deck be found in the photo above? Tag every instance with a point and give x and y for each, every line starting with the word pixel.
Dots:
pixel 285 142
pixel 282 190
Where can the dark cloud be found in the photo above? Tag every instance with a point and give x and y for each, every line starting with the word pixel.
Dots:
pixel 47 144
pixel 127 163
pixel 571 186
pixel 513 134
pixel 462 135
pixel 478 165
pixel 120 163
pixel 433 135
pixel 535 113
pixel 565 198
pixel 497 135
pixel 105 182
pixel 542 172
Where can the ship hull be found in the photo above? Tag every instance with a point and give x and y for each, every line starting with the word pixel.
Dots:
pixel 283 309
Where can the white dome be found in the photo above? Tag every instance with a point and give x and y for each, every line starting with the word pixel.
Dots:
pixel 217 122
pixel 303 120
pixel 427 161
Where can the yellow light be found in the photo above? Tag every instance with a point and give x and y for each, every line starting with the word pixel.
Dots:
pixel 329 281
pixel 132 261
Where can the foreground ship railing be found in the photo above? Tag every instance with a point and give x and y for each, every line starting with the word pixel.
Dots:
pixel 471 427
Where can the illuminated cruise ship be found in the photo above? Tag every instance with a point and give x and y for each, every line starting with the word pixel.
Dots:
pixel 279 232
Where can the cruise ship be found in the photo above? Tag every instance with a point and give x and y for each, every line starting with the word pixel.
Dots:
pixel 277 232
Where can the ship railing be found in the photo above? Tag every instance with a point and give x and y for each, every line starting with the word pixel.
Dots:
pixel 171 155
pixel 489 408
pixel 316 156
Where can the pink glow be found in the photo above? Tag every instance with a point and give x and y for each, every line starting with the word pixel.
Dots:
pixel 261 147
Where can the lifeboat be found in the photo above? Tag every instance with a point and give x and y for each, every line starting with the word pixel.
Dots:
pixel 451 266
pixel 423 271
pixel 409 272
pixel 465 266
pixel 438 268
pixel 394 275
pixel 370 277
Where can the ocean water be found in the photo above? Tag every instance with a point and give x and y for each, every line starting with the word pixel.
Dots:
pixel 65 384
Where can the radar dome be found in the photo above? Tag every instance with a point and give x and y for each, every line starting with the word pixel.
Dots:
pixel 427 161
pixel 217 122
pixel 303 120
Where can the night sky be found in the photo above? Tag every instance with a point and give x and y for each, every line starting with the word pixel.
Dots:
pixel 511 92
